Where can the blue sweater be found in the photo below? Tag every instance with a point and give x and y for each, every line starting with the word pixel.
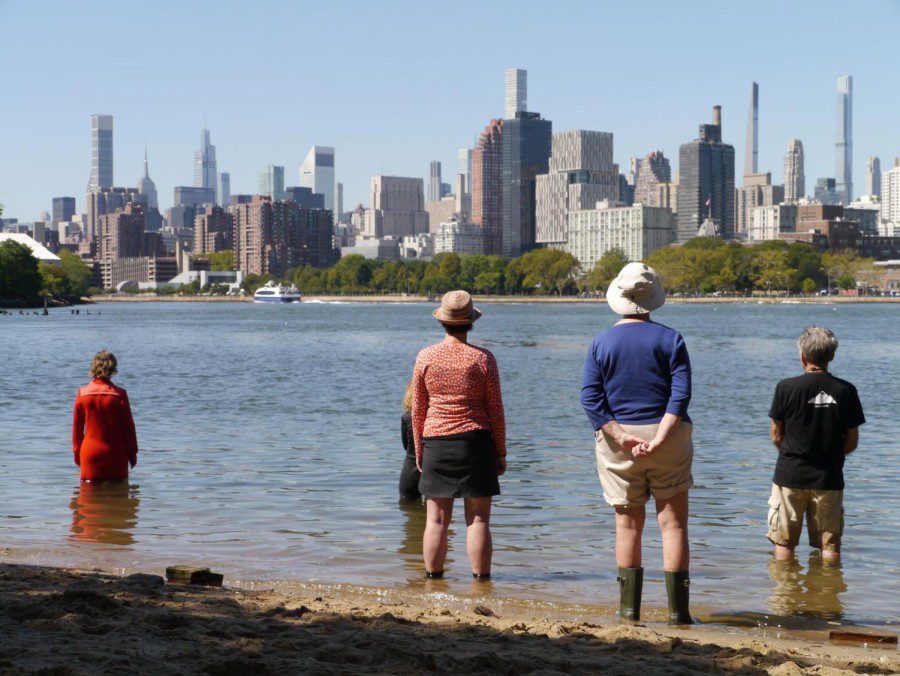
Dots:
pixel 635 373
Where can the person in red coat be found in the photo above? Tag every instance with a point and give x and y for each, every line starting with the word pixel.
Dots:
pixel 104 440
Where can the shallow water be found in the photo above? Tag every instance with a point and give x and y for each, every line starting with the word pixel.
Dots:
pixel 270 449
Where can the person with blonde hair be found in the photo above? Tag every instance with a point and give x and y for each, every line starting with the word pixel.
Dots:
pixel 460 435
pixel 409 474
pixel 104 441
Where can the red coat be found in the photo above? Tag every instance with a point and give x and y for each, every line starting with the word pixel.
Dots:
pixel 104 440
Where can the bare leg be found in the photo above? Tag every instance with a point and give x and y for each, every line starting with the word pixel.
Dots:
pixel 629 527
pixel 830 555
pixel 478 534
pixel 672 515
pixel 434 542
pixel 783 553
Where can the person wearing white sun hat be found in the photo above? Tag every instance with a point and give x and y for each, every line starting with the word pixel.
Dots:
pixel 635 391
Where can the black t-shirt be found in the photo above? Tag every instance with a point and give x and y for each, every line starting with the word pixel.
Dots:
pixel 817 410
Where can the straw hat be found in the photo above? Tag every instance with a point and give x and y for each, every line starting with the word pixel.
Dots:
pixel 636 291
pixel 456 309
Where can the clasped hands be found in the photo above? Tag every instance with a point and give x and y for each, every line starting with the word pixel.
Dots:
pixel 639 447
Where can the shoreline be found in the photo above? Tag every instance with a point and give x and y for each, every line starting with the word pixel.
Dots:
pixel 92 621
pixel 793 300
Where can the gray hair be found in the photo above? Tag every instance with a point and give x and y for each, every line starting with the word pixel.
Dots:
pixel 818 345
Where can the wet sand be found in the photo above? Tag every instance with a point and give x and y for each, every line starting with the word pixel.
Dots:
pixel 72 622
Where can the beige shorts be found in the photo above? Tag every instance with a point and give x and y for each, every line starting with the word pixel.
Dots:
pixel 628 481
pixel 824 510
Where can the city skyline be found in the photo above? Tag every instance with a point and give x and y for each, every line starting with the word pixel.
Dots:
pixel 660 112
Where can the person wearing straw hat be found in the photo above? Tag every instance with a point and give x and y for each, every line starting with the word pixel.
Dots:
pixel 460 435
pixel 635 391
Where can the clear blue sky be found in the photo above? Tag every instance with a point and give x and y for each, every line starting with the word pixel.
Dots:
pixel 395 84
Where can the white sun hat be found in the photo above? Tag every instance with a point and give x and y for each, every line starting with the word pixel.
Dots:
pixel 636 291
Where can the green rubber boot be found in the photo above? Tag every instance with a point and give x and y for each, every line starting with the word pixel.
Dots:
pixel 678 587
pixel 631 582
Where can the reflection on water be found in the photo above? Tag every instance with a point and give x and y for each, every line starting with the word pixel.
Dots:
pixel 105 512
pixel 413 528
pixel 814 592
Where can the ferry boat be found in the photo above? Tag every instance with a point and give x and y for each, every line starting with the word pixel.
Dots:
pixel 273 292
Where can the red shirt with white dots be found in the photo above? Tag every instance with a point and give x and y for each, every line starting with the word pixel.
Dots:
pixel 456 389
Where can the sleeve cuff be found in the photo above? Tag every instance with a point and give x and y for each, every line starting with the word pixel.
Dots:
pixel 677 408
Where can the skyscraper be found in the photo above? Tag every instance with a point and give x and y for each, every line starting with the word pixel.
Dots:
pixel 487 186
pixel 317 173
pixel 706 182
pixel 434 181
pixel 271 181
pixel 397 207
pixel 794 176
pixel 101 153
pixel 223 196
pixel 464 157
pixel 890 194
pixel 873 176
pixel 63 209
pixel 843 146
pixel 751 150
pixel 338 201
pixel 581 174
pixel 653 170
pixel 147 187
pixel 205 171
pixel 516 92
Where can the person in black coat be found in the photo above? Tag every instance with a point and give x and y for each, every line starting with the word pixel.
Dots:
pixel 409 475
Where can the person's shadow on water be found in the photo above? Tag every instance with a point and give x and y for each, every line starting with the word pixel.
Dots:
pixel 105 512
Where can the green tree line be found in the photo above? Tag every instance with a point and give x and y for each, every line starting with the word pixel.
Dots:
pixel 26 281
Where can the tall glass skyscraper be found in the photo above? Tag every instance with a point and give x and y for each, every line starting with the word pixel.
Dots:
pixel 271 181
pixel 317 173
pixel 205 170
pixel 101 153
pixel 843 147
pixel 516 99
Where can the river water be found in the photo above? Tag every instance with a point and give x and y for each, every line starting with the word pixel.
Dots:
pixel 270 449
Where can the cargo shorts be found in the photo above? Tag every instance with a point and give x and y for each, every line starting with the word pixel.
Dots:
pixel 629 482
pixel 824 511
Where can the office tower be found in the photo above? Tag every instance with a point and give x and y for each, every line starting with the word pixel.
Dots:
pixel 757 191
pixel 434 181
pixel 397 207
pixel 751 149
pixel 769 222
pixel 527 142
pixel 213 230
pixel 653 170
pixel 826 191
pixel 794 176
pixel 487 186
pixel 191 196
pixel 305 197
pixel 271 181
pixel 890 194
pixel 101 153
pixel 63 209
pixel 516 92
pixel 441 211
pixel 338 201
pixel 147 187
pixel 706 183
pixel 464 158
pixel 873 176
pixel 223 196
pixel 581 174
pixel 317 172
pixel 634 168
pixel 843 146
pixel 205 171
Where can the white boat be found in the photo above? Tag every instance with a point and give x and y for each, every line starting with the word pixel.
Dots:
pixel 274 292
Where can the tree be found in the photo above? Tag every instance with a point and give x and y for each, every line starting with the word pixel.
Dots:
pixel 76 272
pixel 20 277
pixel 771 270
pixel 545 270
pixel 252 282
pixel 221 261
pixel 599 277
pixel 809 286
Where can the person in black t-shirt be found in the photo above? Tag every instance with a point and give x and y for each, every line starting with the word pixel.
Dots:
pixel 815 421
pixel 409 474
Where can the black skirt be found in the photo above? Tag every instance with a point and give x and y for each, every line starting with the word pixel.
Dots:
pixel 459 466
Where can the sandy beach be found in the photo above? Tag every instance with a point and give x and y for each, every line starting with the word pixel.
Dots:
pixel 73 622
